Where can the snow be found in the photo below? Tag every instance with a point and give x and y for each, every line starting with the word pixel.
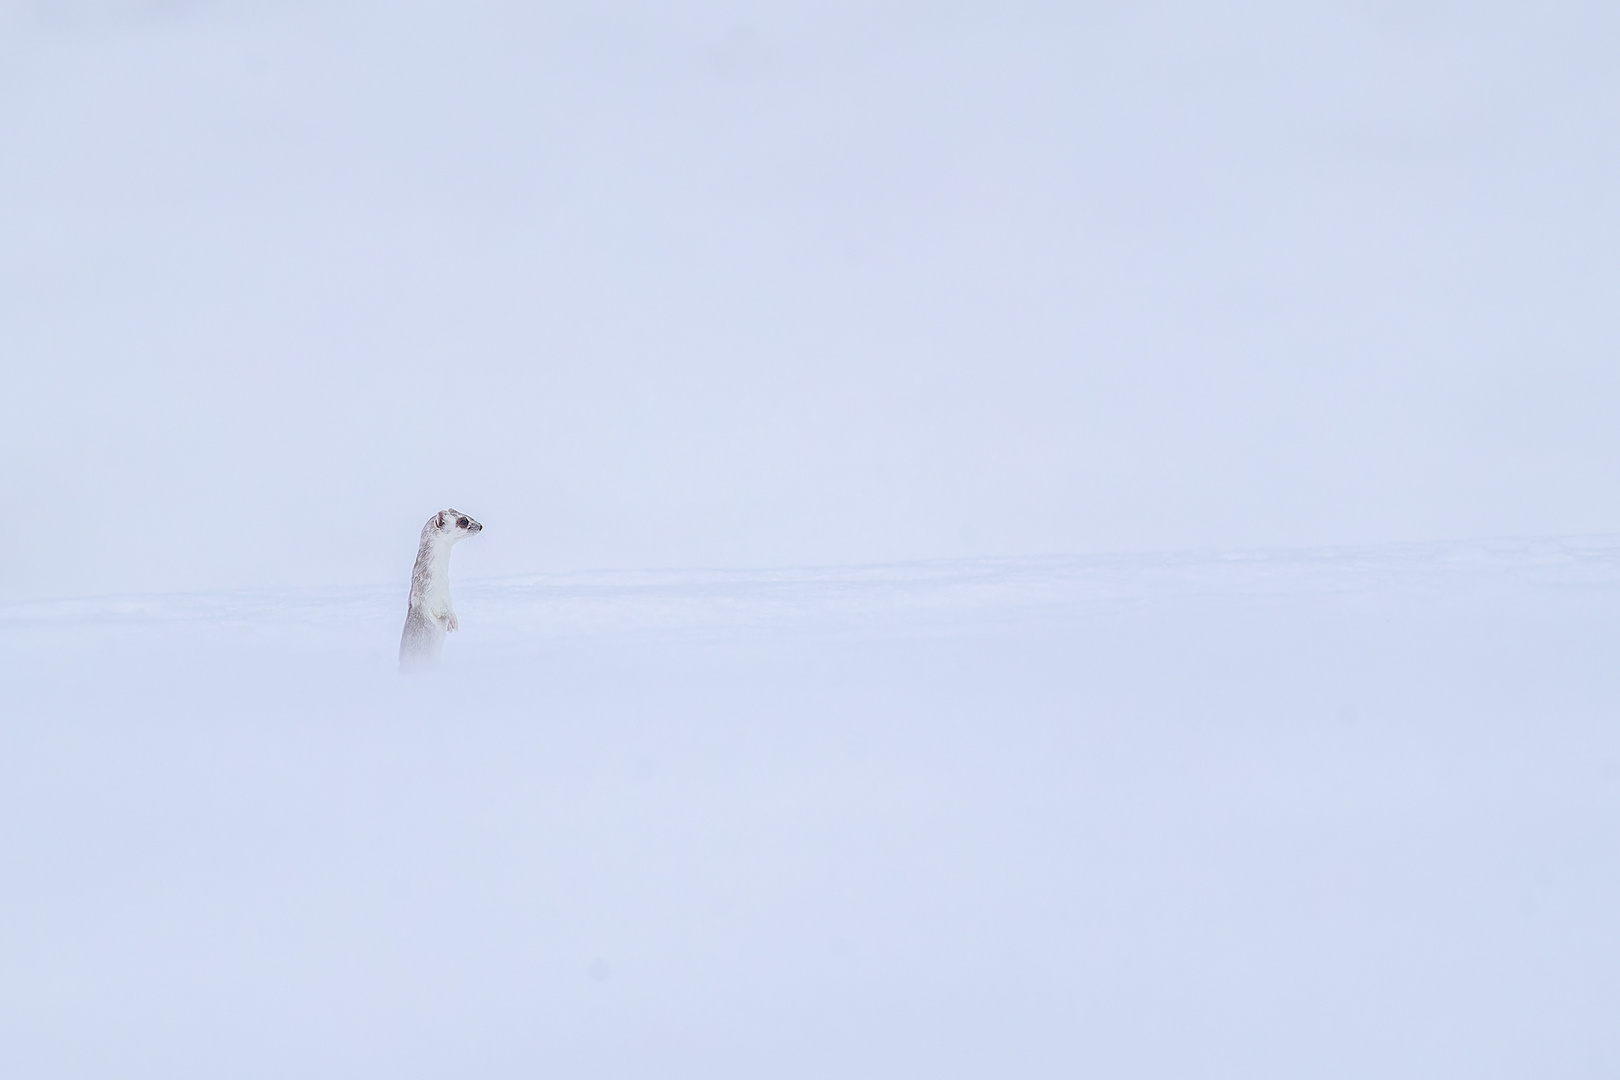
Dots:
pixel 904 296
pixel 1339 812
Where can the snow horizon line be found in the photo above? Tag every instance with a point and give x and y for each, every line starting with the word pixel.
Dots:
pixel 1502 553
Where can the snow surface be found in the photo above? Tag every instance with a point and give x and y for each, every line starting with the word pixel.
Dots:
pixel 1335 813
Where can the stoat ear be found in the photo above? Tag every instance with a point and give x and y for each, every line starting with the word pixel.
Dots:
pixel 440 519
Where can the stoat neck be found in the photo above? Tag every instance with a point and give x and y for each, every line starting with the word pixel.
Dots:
pixel 432 568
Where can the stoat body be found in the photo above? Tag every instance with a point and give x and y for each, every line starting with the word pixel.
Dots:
pixel 430 616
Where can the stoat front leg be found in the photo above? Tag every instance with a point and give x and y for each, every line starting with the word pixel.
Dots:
pixel 445 616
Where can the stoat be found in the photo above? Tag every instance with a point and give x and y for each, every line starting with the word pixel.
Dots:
pixel 430 615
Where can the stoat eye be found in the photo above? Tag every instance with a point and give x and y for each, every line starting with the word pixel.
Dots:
pixel 462 522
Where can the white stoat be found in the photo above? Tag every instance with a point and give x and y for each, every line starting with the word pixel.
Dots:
pixel 430 615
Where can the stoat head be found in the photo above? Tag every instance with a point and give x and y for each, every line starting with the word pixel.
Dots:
pixel 448 526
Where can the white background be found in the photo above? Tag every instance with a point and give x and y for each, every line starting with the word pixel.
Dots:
pixel 857 309
pixel 729 284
